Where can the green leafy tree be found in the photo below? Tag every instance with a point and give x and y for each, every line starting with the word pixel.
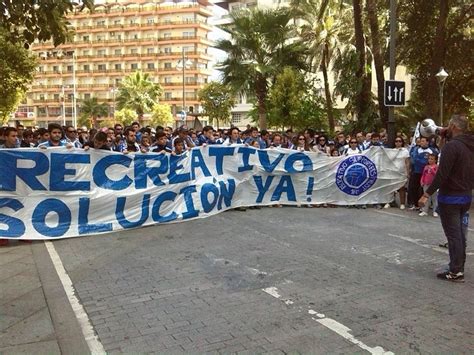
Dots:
pixel 217 101
pixel 263 42
pixel 125 116
pixel 17 67
pixel 90 110
pixel 138 92
pixel 286 98
pixel 323 23
pixel 26 20
pixel 161 115
pixel 437 34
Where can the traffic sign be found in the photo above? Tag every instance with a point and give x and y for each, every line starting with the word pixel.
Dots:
pixel 394 93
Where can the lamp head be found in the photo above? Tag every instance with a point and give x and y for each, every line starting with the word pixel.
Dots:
pixel 442 75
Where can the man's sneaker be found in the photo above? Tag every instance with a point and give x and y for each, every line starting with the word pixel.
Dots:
pixel 443 245
pixel 435 214
pixel 402 207
pixel 422 214
pixel 450 276
pixel 387 205
pixel 413 208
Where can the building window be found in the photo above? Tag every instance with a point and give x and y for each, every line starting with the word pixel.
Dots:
pixel 168 96
pixel 87 96
pixel 150 65
pixel 100 23
pixel 236 118
pixel 118 66
pixel 112 34
pixel 56 97
pixel 85 38
pixel 40 69
pixel 101 67
pixel 133 51
pixel 70 96
pixel 86 67
pixel 168 50
pixel 150 21
pixel 117 22
pixel 135 36
pixel 167 65
pixel 167 80
pixel 99 38
pixel 150 50
pixel 118 52
pixel 167 35
pixel 55 69
pixel 134 66
pixel 188 34
pixel 69 68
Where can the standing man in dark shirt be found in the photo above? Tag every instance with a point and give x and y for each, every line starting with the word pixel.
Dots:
pixel 455 181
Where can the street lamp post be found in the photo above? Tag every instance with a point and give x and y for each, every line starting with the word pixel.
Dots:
pixel 441 76
pixel 74 98
pixel 183 64
pixel 113 90
pixel 63 105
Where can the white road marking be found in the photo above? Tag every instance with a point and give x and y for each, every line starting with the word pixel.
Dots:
pixel 93 342
pixel 420 243
pixel 333 325
pixel 412 218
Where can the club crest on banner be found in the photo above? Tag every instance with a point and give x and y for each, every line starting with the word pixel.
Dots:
pixel 355 175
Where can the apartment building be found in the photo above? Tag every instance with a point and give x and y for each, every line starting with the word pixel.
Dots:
pixel 116 39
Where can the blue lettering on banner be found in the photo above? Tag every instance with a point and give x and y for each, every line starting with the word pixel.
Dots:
pixel 265 160
pixel 293 158
pixel 10 170
pixel 356 174
pixel 197 161
pixel 284 186
pixel 262 188
pixel 16 227
pixel 57 175
pixel 143 172
pixel 226 194
pixel 219 153
pixel 246 152
pixel 102 180
pixel 155 213
pixel 191 211
pixel 207 204
pixel 45 207
pixel 120 212
pixel 175 166
pixel 84 226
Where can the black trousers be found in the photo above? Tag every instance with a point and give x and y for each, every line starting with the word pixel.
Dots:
pixel 414 189
pixel 455 221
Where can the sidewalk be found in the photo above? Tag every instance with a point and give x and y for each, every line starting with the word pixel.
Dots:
pixel 35 315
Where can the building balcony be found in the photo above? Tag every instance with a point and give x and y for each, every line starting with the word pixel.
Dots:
pixel 141 26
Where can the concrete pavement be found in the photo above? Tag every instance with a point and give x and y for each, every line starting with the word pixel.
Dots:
pixel 273 280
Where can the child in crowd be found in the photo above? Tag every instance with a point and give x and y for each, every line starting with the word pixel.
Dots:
pixel 179 146
pixel 427 178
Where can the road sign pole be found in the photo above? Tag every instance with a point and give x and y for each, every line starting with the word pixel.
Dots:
pixel 393 32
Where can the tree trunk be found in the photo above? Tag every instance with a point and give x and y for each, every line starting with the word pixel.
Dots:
pixel 363 96
pixel 431 86
pixel 327 92
pixel 261 100
pixel 371 7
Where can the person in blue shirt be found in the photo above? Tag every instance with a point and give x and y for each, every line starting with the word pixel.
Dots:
pixel 207 136
pixel 71 137
pixel 55 137
pixel 419 159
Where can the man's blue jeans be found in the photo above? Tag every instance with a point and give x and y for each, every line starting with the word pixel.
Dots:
pixel 455 221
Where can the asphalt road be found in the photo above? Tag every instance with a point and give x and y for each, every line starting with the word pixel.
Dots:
pixel 275 280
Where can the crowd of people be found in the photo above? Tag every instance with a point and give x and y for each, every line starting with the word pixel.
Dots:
pixel 419 159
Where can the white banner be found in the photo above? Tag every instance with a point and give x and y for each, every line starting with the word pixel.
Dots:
pixel 58 193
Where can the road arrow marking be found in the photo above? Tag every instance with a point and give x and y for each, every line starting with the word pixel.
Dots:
pixel 389 97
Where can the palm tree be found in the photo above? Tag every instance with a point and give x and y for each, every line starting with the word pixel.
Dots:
pixel 323 23
pixel 91 110
pixel 138 92
pixel 262 43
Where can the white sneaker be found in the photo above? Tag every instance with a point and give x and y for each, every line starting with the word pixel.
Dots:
pixel 402 207
pixel 435 214
pixel 387 205
pixel 422 214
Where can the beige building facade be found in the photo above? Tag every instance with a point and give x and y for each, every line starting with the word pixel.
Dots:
pixel 118 38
